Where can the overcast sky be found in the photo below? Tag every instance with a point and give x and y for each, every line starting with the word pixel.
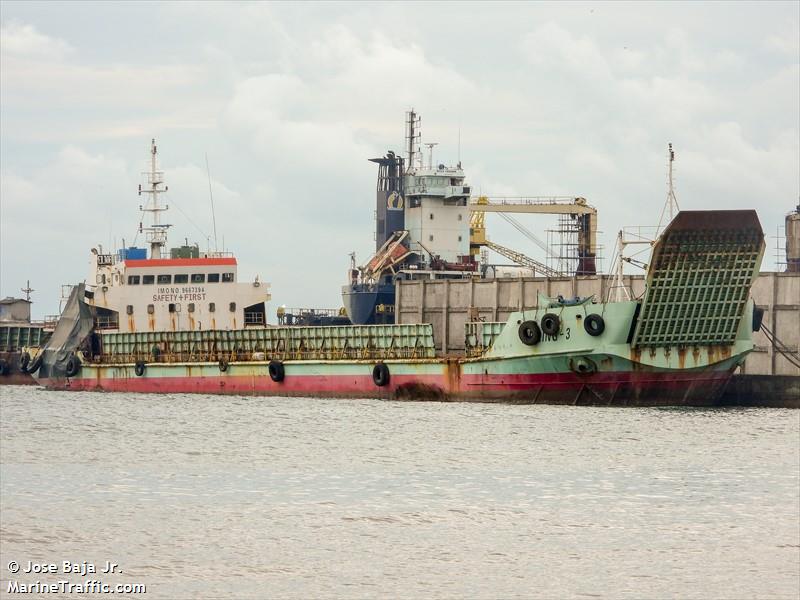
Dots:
pixel 290 100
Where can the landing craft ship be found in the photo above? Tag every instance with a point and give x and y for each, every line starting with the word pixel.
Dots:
pixel 679 345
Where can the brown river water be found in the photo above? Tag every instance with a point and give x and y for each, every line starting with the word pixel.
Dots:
pixel 228 497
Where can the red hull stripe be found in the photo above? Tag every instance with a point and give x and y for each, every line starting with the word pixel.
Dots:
pixel 179 262
pixel 697 387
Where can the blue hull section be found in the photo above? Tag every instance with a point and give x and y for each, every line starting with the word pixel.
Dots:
pixel 360 302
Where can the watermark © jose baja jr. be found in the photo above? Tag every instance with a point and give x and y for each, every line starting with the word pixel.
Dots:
pixel 65 585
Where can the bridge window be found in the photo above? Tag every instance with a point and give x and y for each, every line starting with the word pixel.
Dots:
pixel 129 309
pixel 133 279
pixel 430 238
pixel 148 279
pixel 150 309
pixel 212 307
pixel 227 277
pixel 164 279
pixel 174 308
pixel 213 278
pixel 191 306
pixel 232 306
pixel 198 277
pixel 431 216
pixel 184 278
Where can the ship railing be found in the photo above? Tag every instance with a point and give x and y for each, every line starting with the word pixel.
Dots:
pixel 106 322
pixel 251 319
pixel 348 355
pixel 344 342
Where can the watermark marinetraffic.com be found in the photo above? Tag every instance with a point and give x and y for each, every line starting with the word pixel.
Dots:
pixel 66 585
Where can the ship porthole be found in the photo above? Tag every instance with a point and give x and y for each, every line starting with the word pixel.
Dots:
pixel 138 368
pixel 276 371
pixel 223 365
pixel 73 366
pixel 529 333
pixel 380 375
pixel 594 325
pixel 550 324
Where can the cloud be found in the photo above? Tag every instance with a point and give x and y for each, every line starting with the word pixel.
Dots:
pixel 290 104
pixel 20 39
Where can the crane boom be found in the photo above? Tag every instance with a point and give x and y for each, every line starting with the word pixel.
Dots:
pixel 577 208
pixel 522 260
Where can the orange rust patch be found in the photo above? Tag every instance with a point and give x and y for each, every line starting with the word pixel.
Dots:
pixel 453 375
pixel 682 358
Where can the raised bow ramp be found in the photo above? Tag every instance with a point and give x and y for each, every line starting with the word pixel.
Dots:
pixel 699 279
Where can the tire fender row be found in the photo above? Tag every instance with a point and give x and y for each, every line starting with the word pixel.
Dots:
pixel 530 332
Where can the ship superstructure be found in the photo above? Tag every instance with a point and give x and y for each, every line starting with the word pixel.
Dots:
pixel 182 289
pixel 422 228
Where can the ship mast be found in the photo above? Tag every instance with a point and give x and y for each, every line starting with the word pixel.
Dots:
pixel 156 232
pixel 413 138
pixel 671 205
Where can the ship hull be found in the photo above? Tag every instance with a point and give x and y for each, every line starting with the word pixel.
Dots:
pixel 361 301
pixel 512 381
pixel 12 375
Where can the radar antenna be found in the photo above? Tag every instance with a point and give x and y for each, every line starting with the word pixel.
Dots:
pixel 430 146
pixel 27 290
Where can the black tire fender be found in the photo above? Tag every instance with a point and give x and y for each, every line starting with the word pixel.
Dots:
pixel 276 371
pixel 34 366
pixel 3 367
pixel 73 366
pixel 594 324
pixel 529 333
pixel 139 367
pixel 551 323
pixel 223 365
pixel 380 375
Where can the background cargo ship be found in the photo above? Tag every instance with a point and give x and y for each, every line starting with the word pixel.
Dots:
pixel 679 345
pixel 16 332
pixel 427 226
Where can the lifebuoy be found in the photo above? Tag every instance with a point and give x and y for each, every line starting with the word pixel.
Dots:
pixel 594 324
pixel 23 361
pixel 3 367
pixel 138 368
pixel 276 371
pixel 37 362
pixel 551 324
pixel 529 333
pixel 223 365
pixel 73 366
pixel 380 375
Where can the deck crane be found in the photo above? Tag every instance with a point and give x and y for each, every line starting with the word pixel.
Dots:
pixel 577 208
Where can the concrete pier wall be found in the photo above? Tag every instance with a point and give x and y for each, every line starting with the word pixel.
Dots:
pixel 449 304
